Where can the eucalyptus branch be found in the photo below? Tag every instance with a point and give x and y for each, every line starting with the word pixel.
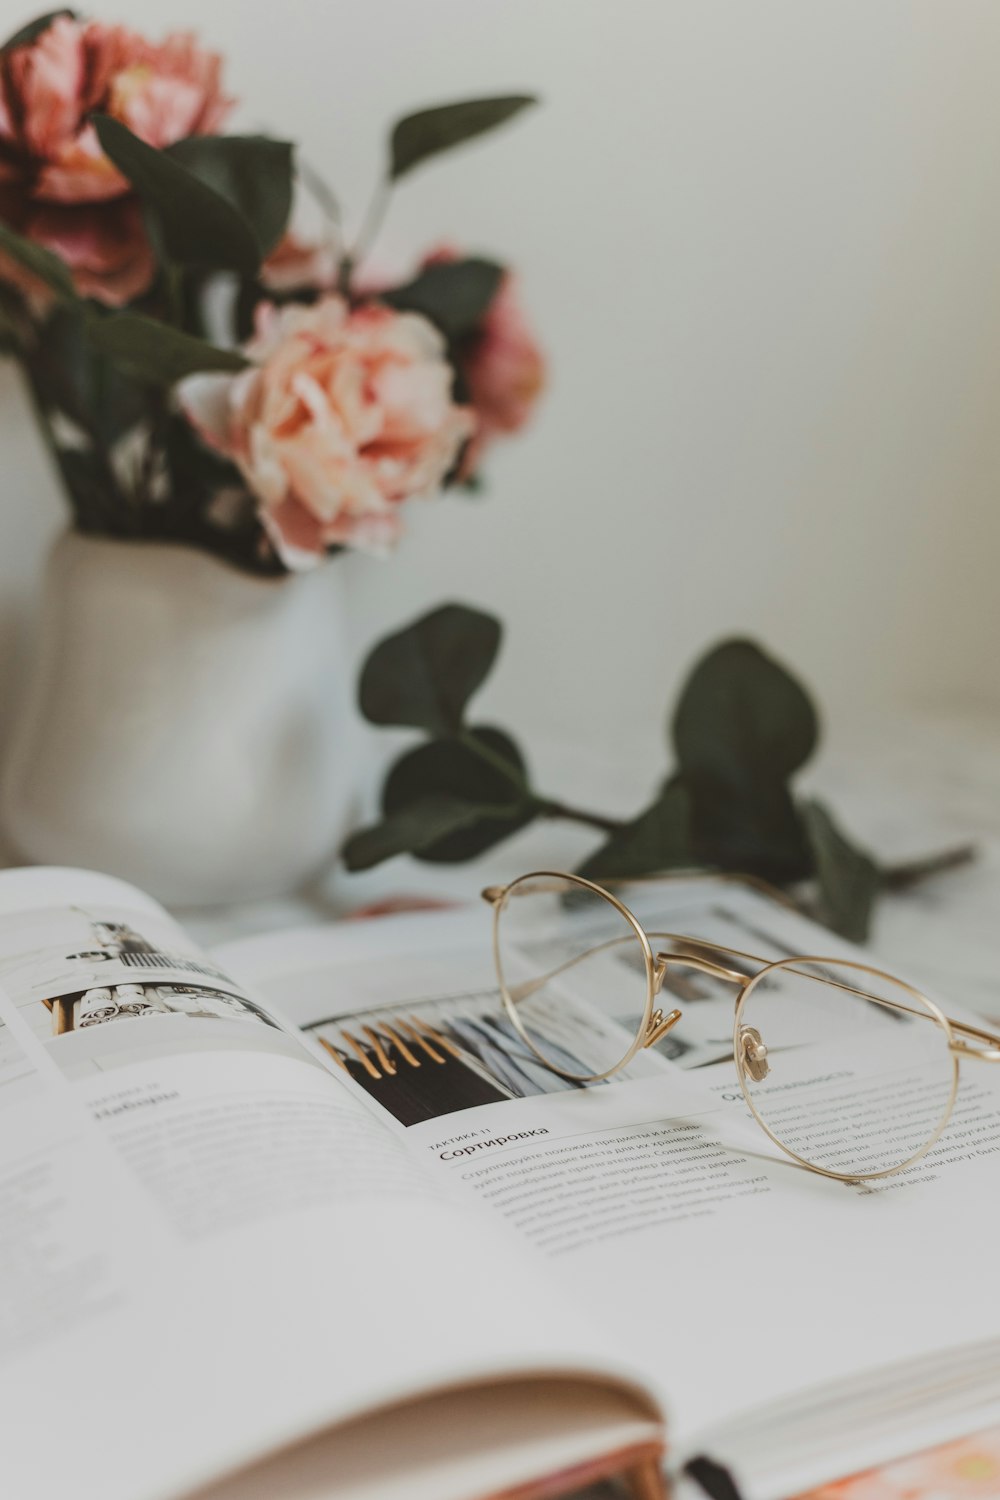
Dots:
pixel 371 224
pixel 742 728
pixel 497 762
pixel 909 873
pixel 548 808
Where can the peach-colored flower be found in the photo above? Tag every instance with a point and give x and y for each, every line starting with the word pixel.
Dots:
pixel 502 364
pixel 296 264
pixel 49 151
pixel 344 415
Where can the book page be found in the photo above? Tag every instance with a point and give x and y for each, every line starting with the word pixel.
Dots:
pixel 200 1219
pixel 732 1276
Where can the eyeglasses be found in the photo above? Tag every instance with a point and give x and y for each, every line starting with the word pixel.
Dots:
pixel 851 1072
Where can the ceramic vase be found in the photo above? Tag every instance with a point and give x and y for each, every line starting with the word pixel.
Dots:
pixel 185 726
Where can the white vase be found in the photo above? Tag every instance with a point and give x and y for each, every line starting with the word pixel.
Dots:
pixel 186 726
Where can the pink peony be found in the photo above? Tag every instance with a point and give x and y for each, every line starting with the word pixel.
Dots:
pixel 52 170
pixel 343 416
pixel 503 366
pixel 104 245
pixel 505 371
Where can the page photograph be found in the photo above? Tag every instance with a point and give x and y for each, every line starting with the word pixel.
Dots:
pixel 100 984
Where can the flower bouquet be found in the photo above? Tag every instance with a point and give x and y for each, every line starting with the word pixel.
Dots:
pixel 202 372
pixel 207 372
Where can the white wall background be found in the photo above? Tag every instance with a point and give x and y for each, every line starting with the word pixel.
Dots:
pixel 762 244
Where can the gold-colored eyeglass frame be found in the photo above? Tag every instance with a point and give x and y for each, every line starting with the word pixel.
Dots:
pixel 749 1053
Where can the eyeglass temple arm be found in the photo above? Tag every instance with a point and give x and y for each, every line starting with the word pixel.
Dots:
pixel 990 1052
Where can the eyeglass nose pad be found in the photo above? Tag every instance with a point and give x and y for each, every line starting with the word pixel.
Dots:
pixel 753 1054
pixel 659 1025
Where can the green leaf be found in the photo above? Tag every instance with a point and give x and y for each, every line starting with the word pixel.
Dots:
pixel 34 29
pixel 409 831
pixel 848 877
pixel 493 783
pixel 41 262
pixel 430 131
pixel 157 353
pixel 658 839
pixel 73 376
pixel 748 831
pixel 423 676
pixel 742 720
pixel 454 295
pixel 252 172
pixel 196 225
pixel 94 492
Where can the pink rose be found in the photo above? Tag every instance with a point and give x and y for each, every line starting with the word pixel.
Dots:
pixel 505 372
pixel 104 245
pixel 343 416
pixel 50 154
pixel 503 366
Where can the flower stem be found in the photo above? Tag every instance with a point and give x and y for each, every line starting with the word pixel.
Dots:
pixel 900 877
pixel 548 808
pixel 372 222
pixel 545 807
pixel 493 758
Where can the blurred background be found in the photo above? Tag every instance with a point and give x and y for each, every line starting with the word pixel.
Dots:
pixel 760 244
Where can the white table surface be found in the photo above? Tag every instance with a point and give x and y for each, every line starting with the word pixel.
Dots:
pixel 906 789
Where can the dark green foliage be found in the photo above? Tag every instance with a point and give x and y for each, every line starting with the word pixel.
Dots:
pixel 742 727
pixel 658 839
pixel 156 353
pixel 431 131
pixel 448 800
pixel 191 223
pixel 39 261
pixel 848 877
pixel 252 172
pixel 455 295
pixel 34 29
pixel 423 677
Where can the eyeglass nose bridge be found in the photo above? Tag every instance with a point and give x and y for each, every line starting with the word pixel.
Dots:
pixel 662 962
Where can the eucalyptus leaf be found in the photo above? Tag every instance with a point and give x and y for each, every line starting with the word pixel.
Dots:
pixel 73 376
pixel 484 769
pixel 848 877
pixel 658 839
pixel 431 131
pixel 157 353
pixel 196 225
pixel 252 172
pixel 93 492
pixel 413 828
pixel 454 295
pixel 39 261
pixel 422 677
pixel 748 831
pixel 742 720
pixel 34 29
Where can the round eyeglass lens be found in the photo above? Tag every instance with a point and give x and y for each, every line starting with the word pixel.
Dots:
pixel 575 975
pixel 848 1069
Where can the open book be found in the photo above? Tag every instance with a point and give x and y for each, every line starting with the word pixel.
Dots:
pixel 299 1218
